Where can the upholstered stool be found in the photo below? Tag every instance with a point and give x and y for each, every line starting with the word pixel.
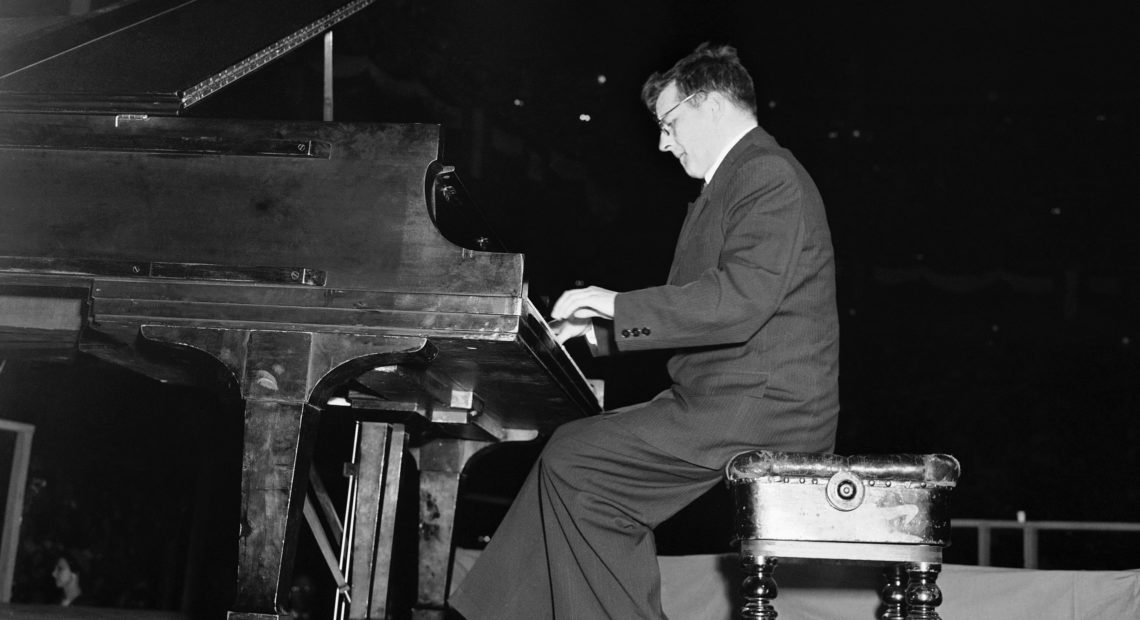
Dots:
pixel 891 508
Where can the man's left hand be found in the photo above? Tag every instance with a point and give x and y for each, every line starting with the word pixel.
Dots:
pixel 565 329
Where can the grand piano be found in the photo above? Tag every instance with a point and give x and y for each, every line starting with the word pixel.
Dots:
pixel 311 268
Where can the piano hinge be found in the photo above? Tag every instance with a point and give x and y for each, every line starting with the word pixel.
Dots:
pixel 126 118
pixel 259 59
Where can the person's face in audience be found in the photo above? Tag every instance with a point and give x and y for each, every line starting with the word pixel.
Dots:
pixel 62 573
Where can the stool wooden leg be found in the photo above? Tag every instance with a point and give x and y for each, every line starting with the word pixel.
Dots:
pixel 893 593
pixel 759 588
pixel 922 593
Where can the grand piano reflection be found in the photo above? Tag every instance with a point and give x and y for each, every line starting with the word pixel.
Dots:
pixel 314 268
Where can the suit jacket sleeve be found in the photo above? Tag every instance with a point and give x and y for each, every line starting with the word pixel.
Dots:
pixel 603 338
pixel 763 234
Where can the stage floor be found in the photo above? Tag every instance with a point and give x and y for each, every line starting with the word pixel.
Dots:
pixel 53 612
pixel 703 587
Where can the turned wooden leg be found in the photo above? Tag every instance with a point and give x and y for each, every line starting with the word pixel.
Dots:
pixel 759 588
pixel 922 593
pixel 893 593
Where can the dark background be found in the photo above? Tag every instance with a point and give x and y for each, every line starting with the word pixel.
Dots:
pixel 980 173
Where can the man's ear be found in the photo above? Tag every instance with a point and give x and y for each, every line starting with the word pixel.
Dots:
pixel 716 103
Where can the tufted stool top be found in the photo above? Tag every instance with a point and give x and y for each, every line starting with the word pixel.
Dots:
pixel 925 469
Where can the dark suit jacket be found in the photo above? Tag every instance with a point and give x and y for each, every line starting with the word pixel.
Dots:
pixel 750 308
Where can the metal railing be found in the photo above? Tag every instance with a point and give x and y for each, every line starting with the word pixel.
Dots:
pixel 1030 531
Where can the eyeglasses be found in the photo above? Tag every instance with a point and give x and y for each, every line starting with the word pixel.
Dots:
pixel 667 127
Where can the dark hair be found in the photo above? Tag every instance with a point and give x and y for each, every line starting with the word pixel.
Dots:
pixel 709 68
pixel 76 561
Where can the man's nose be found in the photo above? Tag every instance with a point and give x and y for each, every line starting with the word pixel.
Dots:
pixel 664 142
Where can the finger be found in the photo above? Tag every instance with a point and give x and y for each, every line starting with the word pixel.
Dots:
pixel 557 311
pixel 586 312
pixel 566 304
pixel 565 330
pixel 561 337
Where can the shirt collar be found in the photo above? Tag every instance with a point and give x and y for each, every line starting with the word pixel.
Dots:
pixel 724 153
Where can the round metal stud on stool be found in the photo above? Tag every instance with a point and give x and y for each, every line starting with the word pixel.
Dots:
pixel 844 491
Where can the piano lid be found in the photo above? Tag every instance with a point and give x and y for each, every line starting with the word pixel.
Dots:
pixel 155 57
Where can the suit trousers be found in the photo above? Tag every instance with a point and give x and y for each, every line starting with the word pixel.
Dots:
pixel 577 543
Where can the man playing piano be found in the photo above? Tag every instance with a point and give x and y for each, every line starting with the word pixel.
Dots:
pixel 749 308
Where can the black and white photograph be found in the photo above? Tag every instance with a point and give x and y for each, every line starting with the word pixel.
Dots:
pixel 553 310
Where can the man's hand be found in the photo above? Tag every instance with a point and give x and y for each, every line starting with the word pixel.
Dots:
pixel 585 303
pixel 566 329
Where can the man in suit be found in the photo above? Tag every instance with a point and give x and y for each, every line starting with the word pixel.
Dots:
pixel 749 308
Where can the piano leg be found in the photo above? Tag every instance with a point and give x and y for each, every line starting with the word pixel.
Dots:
pixel 277 373
pixel 378 472
pixel 441 462
pixel 279 438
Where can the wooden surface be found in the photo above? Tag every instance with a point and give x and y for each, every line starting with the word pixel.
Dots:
pixel 155 191
pixel 197 223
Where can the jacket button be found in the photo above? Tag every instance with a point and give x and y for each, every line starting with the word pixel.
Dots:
pixel 645 331
pixel 635 331
pixel 625 333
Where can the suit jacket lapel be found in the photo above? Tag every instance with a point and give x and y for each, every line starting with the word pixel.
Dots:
pixel 695 209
